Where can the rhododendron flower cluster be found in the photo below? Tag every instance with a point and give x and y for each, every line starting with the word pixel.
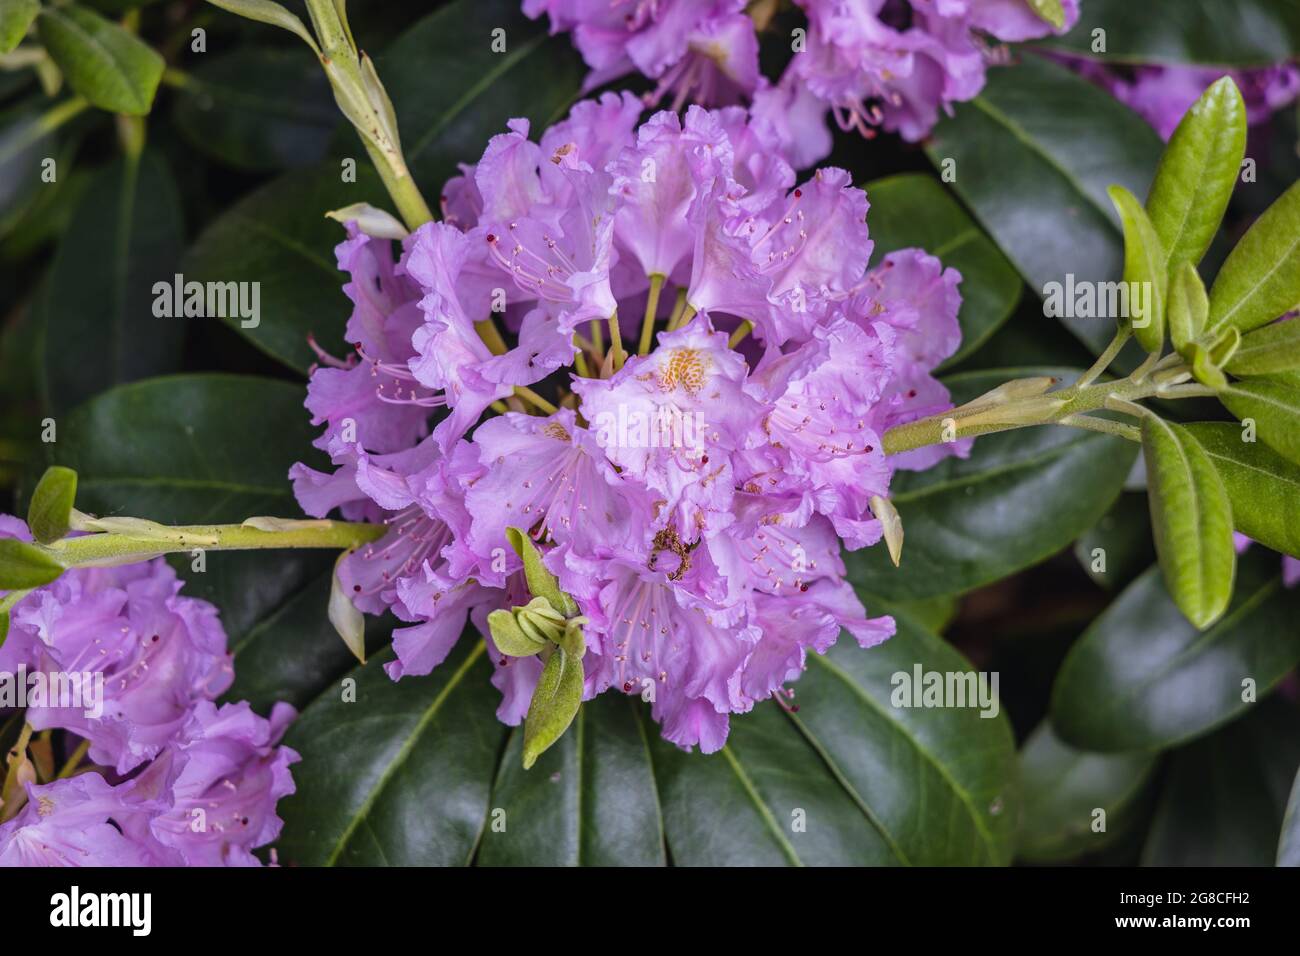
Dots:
pixel 692 499
pixel 1163 94
pixel 869 63
pixel 185 782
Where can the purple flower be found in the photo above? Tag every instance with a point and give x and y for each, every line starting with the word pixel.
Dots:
pixel 132 666
pixel 693 499
pixel 225 775
pixel 83 821
pixel 703 51
pixel 132 654
pixel 1163 94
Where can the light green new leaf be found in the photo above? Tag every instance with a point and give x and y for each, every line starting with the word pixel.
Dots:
pixel 1144 265
pixel 1260 281
pixel 554 705
pixel 264 11
pixel 1264 487
pixel 15 17
pixel 510 638
pixel 50 512
pixel 1050 10
pixel 108 66
pixel 1192 519
pixel 1189 305
pixel 1274 405
pixel 1197 174
pixel 24 566
pixel 1274 348
pixel 541 582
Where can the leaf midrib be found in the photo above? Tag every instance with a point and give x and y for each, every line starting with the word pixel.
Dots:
pixel 363 812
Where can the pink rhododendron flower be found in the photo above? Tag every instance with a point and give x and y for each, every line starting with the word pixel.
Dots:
pixel 1163 94
pixel 194 784
pixel 894 64
pixel 693 499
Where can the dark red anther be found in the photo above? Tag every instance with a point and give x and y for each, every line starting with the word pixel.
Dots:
pixel 798 194
pixel 491 237
pixel 627 687
pixel 804 586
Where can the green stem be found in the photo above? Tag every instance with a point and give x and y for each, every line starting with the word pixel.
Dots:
pixel 401 187
pixel 1106 357
pixel 651 310
pixel 616 342
pixel 1049 409
pixel 42 126
pixel 108 547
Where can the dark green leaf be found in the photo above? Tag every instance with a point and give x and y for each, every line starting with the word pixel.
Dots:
pixel 1118 547
pixel 1035 153
pixel 1225 797
pixel 1260 281
pixel 187 449
pixel 452 92
pixel 1264 487
pixel 1020 497
pixel 257 108
pixel 50 510
pixel 1288 848
pixel 1144 678
pixel 1063 789
pixel 1274 405
pixel 401 776
pixel 108 66
pixel 24 566
pixel 279 237
pixel 590 800
pixel 100 326
pixel 912 210
pixel 1192 519
pixel 1197 174
pixel 15 17
pixel 870 783
pixel 1207 32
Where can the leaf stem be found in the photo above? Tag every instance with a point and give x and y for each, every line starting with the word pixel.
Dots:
pixel 532 398
pixel 1107 356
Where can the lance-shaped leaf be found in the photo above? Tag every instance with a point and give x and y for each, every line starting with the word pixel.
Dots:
pixel 1143 678
pixel 15 17
pixel 347 620
pixel 541 582
pixel 108 66
pixel 49 515
pixel 1063 790
pixel 1264 487
pixel 1274 405
pixel 24 566
pixel 265 11
pixel 1192 519
pixel 1274 348
pixel 1144 270
pixel 1197 174
pixel 1260 281
pixel 1189 305
pixel 554 705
